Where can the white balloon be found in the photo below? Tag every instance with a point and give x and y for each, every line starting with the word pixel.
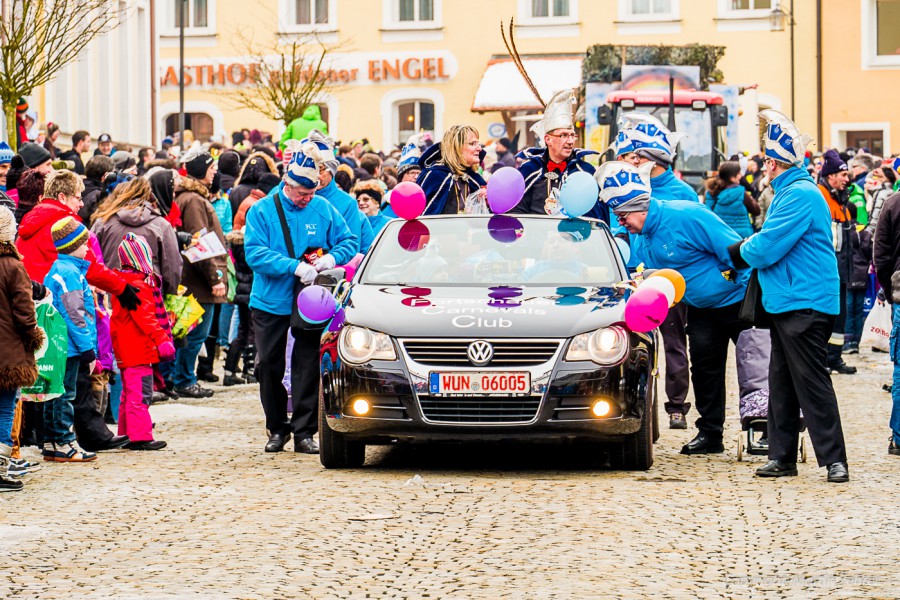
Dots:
pixel 663 285
pixel 624 248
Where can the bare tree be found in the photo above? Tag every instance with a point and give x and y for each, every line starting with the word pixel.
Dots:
pixel 40 37
pixel 289 76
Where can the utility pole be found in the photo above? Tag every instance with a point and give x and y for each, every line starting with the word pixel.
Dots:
pixel 182 15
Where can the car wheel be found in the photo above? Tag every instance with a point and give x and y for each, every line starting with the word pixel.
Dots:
pixel 335 451
pixel 637 450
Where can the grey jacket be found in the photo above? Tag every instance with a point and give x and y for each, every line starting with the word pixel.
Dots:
pixel 146 221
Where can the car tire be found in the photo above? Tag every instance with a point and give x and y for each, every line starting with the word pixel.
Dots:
pixel 335 451
pixel 637 450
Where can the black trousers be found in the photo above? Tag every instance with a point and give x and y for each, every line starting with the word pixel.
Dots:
pixel 836 339
pixel 709 331
pixel 90 427
pixel 678 374
pixel 245 342
pixel 799 379
pixel 271 345
pixel 206 364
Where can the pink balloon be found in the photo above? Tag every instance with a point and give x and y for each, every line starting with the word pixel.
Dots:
pixel 505 189
pixel 408 200
pixel 646 309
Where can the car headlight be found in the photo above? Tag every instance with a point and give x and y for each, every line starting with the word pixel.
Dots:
pixel 607 346
pixel 358 345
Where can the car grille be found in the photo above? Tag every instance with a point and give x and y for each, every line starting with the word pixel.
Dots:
pixel 480 409
pixel 507 353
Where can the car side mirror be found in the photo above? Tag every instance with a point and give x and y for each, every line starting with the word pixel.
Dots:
pixel 719 115
pixel 604 115
pixel 330 278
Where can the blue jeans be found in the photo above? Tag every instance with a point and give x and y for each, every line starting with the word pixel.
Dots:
pixel 856 317
pixel 186 359
pixel 895 357
pixel 59 413
pixel 226 315
pixel 7 411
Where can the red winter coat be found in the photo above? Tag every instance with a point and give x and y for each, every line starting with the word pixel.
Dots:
pixel 136 334
pixel 35 243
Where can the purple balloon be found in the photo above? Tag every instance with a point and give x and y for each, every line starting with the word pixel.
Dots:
pixel 338 321
pixel 316 304
pixel 505 189
pixel 505 229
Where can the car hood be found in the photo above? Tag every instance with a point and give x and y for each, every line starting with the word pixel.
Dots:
pixel 520 312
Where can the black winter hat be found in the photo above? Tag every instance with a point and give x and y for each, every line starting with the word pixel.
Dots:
pixel 832 163
pixel 197 166
pixel 267 182
pixel 33 154
pixel 230 163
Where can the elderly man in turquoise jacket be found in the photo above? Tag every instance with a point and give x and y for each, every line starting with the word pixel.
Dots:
pixel 687 237
pixel 795 260
pixel 320 240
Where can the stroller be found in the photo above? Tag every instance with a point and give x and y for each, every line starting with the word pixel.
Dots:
pixel 752 357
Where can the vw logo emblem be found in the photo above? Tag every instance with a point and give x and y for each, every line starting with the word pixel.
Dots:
pixel 480 353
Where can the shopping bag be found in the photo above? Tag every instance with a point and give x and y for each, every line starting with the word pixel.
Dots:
pixel 184 313
pixel 877 328
pixel 51 356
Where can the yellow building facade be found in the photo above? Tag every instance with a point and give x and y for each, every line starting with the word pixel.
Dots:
pixel 408 65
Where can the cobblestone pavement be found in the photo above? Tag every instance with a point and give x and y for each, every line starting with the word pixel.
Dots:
pixel 215 517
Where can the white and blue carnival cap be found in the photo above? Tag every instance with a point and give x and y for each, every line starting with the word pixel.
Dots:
pixel 557 114
pixel 624 187
pixel 622 145
pixel 302 170
pixel 650 138
pixel 409 156
pixel 323 153
pixel 782 140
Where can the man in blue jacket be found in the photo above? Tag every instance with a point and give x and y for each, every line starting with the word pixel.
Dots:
pixel 313 224
pixel 687 237
pixel 634 136
pixel 794 257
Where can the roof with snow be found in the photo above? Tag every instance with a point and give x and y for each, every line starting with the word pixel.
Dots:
pixel 502 87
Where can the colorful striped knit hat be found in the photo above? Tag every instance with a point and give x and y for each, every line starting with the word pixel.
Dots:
pixel 68 235
pixel 135 254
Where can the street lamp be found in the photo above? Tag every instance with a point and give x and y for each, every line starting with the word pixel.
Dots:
pixel 776 23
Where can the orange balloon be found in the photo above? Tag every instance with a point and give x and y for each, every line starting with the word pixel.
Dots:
pixel 676 279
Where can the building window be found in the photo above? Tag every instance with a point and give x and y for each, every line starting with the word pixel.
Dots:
pixel 413 117
pixel 880 34
pixel 750 4
pixel 648 10
pixel 199 17
pixel 549 8
pixel 306 16
pixel 310 12
pixel 411 14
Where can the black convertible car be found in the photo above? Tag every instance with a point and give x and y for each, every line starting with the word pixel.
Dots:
pixel 487 328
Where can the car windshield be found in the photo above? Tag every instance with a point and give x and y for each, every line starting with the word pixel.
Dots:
pixel 497 250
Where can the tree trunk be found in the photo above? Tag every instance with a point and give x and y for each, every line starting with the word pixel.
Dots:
pixel 10 112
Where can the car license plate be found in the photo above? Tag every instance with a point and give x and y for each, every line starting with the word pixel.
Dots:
pixel 484 383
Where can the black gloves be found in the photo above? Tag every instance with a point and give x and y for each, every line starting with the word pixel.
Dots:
pixel 38 291
pixel 184 239
pixel 129 298
pixel 735 251
pixel 88 356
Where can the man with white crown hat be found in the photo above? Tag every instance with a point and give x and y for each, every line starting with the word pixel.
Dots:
pixel 690 238
pixel 652 142
pixel 546 168
pixel 408 168
pixel 793 255
pixel 319 240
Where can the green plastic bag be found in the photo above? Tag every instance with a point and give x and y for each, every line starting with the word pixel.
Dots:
pixel 51 356
pixel 232 280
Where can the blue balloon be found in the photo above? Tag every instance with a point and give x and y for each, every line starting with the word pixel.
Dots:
pixel 578 194
pixel 624 249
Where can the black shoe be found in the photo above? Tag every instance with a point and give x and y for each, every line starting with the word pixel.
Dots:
pixel 837 473
pixel 232 380
pixel 249 377
pixel 208 377
pixel 893 448
pixel 888 387
pixel 148 445
pixel 194 391
pixel 776 468
pixel 159 397
pixel 677 421
pixel 703 444
pixel 306 446
pixel 763 443
pixel 113 443
pixel 170 391
pixel 277 442
pixel 842 368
